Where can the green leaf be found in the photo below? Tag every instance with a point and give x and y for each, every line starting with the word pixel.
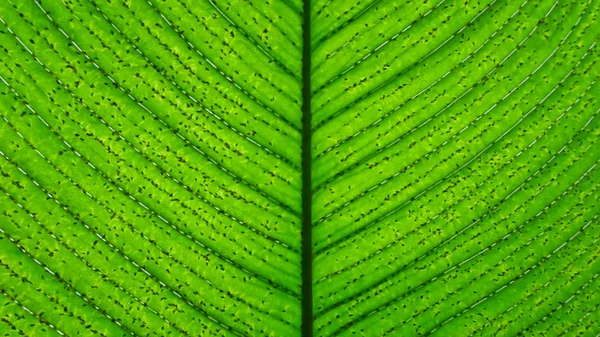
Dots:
pixel 288 168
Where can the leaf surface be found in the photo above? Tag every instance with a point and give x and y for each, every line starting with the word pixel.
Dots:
pixel 285 168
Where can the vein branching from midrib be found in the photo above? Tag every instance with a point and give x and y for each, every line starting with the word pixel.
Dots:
pixel 364 281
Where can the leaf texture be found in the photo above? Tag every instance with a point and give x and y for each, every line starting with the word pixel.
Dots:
pixel 455 167
pixel 151 167
pixel 152 155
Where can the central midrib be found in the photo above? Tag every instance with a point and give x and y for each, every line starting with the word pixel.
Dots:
pixel 307 299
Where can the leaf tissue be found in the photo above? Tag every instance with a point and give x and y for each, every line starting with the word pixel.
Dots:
pixel 299 168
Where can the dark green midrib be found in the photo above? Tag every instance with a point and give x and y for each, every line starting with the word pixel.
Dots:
pixel 307 298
